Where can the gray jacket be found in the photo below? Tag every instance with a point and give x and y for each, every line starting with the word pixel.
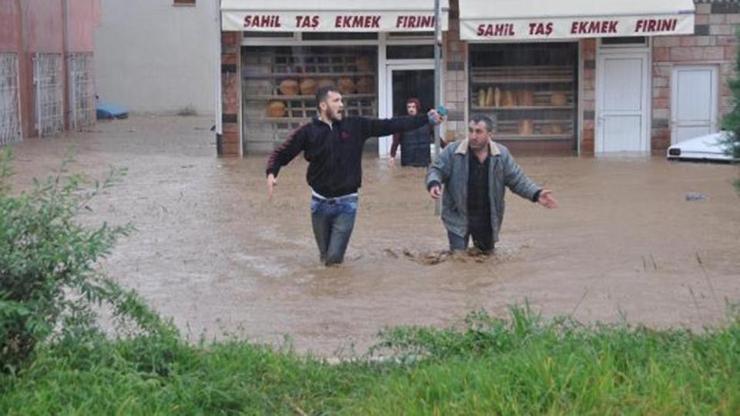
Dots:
pixel 451 170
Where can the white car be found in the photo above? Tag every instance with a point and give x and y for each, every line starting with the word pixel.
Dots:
pixel 702 148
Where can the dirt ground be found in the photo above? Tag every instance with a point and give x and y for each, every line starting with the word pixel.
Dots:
pixel 214 254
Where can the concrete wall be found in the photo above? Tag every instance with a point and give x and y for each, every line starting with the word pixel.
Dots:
pixel 155 57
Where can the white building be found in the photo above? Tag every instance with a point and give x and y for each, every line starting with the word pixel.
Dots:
pixel 158 56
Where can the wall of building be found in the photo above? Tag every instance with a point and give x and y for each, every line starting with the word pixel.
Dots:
pixel 156 57
pixel 456 86
pixel 37 26
pixel 713 43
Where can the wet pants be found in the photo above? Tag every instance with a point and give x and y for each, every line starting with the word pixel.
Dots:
pixel 333 220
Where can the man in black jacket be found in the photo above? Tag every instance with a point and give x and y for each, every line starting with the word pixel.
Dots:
pixel 332 144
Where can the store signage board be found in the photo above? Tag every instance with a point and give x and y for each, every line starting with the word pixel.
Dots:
pixel 512 20
pixel 517 29
pixel 336 16
pixel 387 21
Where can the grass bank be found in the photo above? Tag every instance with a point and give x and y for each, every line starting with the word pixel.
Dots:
pixel 522 365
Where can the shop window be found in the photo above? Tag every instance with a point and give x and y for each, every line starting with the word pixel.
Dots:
pixel 410 52
pixel 529 88
pixel 263 35
pixel 338 36
pixel 279 86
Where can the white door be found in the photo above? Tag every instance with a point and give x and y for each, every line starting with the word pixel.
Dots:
pixel 404 81
pixel 622 102
pixel 693 102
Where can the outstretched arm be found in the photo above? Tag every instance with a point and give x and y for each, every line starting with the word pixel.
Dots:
pixel 283 155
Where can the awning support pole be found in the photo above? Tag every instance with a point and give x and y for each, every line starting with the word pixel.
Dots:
pixel 437 84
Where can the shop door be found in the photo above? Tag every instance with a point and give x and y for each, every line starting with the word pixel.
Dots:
pixel 404 82
pixel 694 106
pixel 622 103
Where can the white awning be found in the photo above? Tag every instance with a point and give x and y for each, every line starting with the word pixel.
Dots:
pixel 331 16
pixel 561 19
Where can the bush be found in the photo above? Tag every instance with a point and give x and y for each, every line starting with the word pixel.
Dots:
pixel 49 282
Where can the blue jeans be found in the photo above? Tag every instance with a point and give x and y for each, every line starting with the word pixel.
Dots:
pixel 333 220
pixel 482 240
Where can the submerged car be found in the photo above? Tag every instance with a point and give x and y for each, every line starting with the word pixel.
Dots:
pixel 710 147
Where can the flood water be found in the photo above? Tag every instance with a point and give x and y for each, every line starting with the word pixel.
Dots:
pixel 214 254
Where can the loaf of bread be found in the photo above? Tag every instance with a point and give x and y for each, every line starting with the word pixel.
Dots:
pixel 526 127
pixel 508 99
pixel 481 97
pixel 525 98
pixel 309 86
pixel 288 87
pixel 558 99
pixel 497 97
pixel 346 85
pixel 490 97
pixel 276 109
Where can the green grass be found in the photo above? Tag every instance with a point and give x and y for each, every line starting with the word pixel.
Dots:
pixel 520 366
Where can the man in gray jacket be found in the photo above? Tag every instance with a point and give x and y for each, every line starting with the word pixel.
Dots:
pixel 474 172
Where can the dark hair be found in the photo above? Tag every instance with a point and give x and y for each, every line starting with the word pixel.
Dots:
pixel 323 93
pixel 489 121
pixel 416 102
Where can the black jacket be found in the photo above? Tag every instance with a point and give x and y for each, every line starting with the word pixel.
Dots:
pixel 334 154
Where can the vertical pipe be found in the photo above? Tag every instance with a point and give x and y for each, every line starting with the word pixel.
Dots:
pixel 437 82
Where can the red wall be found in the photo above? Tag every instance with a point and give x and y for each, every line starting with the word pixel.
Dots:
pixel 37 26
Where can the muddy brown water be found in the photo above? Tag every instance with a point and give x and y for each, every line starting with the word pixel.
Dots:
pixel 214 254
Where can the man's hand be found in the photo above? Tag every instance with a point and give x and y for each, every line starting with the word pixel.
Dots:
pixel 435 117
pixel 271 182
pixel 546 199
pixel 435 191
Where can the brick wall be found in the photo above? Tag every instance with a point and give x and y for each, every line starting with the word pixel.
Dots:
pixel 229 144
pixel 713 43
pixel 587 94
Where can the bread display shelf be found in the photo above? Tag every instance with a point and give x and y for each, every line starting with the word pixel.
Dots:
pixel 300 97
pixel 522 75
pixel 533 137
pixel 295 75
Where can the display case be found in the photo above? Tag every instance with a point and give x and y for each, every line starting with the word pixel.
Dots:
pixel 532 94
pixel 279 86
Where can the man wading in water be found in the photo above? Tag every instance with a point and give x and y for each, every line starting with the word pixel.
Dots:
pixel 475 173
pixel 332 144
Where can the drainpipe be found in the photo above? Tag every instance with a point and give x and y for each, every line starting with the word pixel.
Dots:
pixel 437 83
pixel 217 83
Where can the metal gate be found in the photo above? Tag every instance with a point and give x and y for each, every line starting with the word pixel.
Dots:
pixel 10 119
pixel 81 90
pixel 49 93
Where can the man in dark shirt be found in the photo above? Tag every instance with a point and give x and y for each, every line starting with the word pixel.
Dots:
pixel 332 144
pixel 475 173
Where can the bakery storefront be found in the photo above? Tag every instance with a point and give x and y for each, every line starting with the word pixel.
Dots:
pixel 567 76
pixel 275 55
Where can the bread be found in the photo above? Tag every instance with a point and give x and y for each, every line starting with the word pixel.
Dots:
pixel 309 86
pixel 289 87
pixel 490 98
pixel 482 97
pixel 497 97
pixel 345 85
pixel 558 99
pixel 526 127
pixel 525 98
pixel 276 109
pixel 365 85
pixel 556 129
pixel 508 99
